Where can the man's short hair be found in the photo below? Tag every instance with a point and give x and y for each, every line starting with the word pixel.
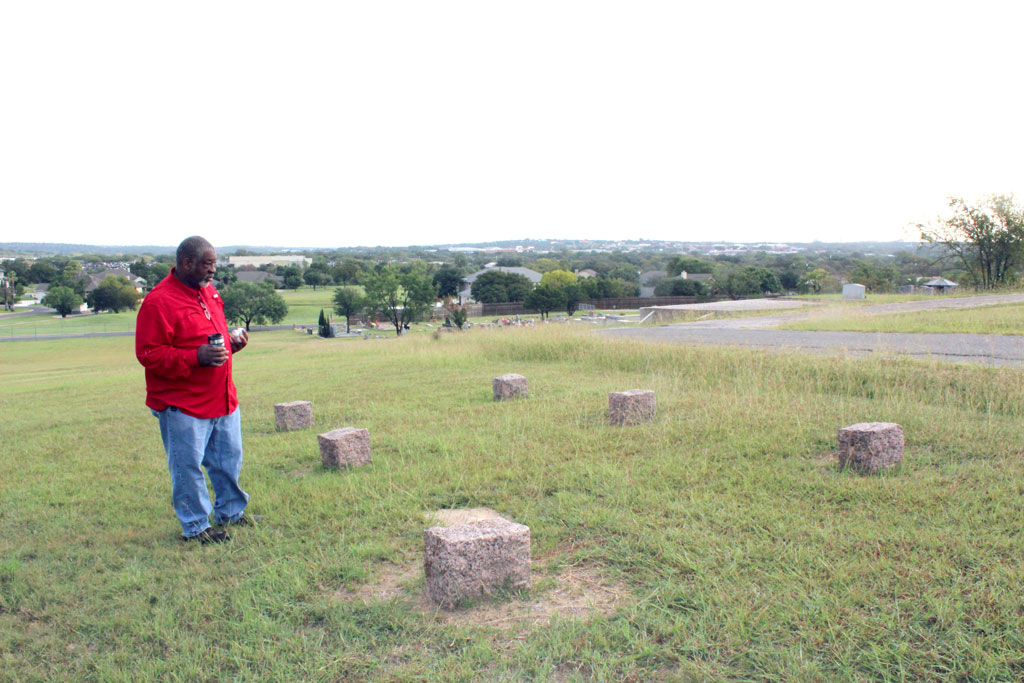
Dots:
pixel 192 248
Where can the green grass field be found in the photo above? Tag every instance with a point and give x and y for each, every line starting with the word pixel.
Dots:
pixel 304 304
pixel 33 324
pixel 718 542
pixel 996 319
pixel 303 309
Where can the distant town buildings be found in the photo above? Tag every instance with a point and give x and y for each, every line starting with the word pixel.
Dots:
pixel 270 259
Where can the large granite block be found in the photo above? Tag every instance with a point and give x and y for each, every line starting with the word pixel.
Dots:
pixel 345 447
pixel 870 446
pixel 510 386
pixel 475 560
pixel 631 407
pixel 293 415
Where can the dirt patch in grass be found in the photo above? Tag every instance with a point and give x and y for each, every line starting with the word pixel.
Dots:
pixel 569 592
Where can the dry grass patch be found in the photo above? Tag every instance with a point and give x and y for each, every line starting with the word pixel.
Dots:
pixel 572 593
pixel 565 592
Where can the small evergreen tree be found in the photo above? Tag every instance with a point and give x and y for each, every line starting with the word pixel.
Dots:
pixel 324 325
pixel 458 315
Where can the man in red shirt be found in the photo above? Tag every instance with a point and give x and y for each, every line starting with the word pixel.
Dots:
pixel 189 390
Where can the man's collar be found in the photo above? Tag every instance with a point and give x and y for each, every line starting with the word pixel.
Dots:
pixel 174 275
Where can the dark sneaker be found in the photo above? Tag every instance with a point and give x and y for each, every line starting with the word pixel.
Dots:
pixel 246 520
pixel 209 535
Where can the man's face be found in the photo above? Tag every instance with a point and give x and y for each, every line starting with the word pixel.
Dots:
pixel 199 273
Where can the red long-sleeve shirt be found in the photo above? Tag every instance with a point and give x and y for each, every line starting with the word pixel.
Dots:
pixel 170 326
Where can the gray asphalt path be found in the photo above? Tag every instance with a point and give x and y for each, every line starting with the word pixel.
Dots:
pixel 988 349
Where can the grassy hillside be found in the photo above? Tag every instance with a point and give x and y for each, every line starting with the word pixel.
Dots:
pixel 717 542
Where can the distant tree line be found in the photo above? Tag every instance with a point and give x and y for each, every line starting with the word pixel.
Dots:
pixel 979 244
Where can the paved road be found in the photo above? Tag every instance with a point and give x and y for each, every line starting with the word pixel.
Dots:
pixel 989 349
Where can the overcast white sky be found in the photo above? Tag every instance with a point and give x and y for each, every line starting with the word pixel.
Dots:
pixel 394 123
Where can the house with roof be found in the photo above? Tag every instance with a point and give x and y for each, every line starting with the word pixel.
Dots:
pixel 697 277
pixel 94 280
pixel 648 280
pixel 39 291
pixel 465 294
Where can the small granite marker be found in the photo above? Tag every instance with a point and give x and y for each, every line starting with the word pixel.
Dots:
pixel 345 447
pixel 510 386
pixel 870 446
pixel 631 407
pixel 475 560
pixel 293 415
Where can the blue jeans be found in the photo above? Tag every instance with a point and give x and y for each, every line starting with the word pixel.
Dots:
pixel 216 444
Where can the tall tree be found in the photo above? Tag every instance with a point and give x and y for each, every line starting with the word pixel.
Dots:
pixel 448 281
pixel 114 294
pixel 314 278
pixel 347 272
pixel 495 287
pixel 247 302
pixel 349 301
pixel 876 277
pixel 677 286
pixel 678 264
pixel 8 289
pixel 573 296
pixel 545 298
pixel 73 277
pixel 400 297
pixel 226 276
pixel 559 278
pixel 544 265
pixel 986 238
pixel 42 271
pixel 158 272
pixel 814 281
pixel 63 299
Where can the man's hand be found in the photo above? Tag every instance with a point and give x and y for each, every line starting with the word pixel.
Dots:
pixel 210 355
pixel 238 343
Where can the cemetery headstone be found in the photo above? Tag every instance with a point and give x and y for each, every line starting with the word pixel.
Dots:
pixel 293 415
pixel 631 407
pixel 345 447
pixel 510 386
pixel 474 560
pixel 870 446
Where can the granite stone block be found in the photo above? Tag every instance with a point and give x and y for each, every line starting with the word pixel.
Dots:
pixel 870 446
pixel 345 447
pixel 474 560
pixel 631 407
pixel 510 386
pixel 293 415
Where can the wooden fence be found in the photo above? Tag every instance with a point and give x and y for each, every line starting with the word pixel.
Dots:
pixel 625 303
